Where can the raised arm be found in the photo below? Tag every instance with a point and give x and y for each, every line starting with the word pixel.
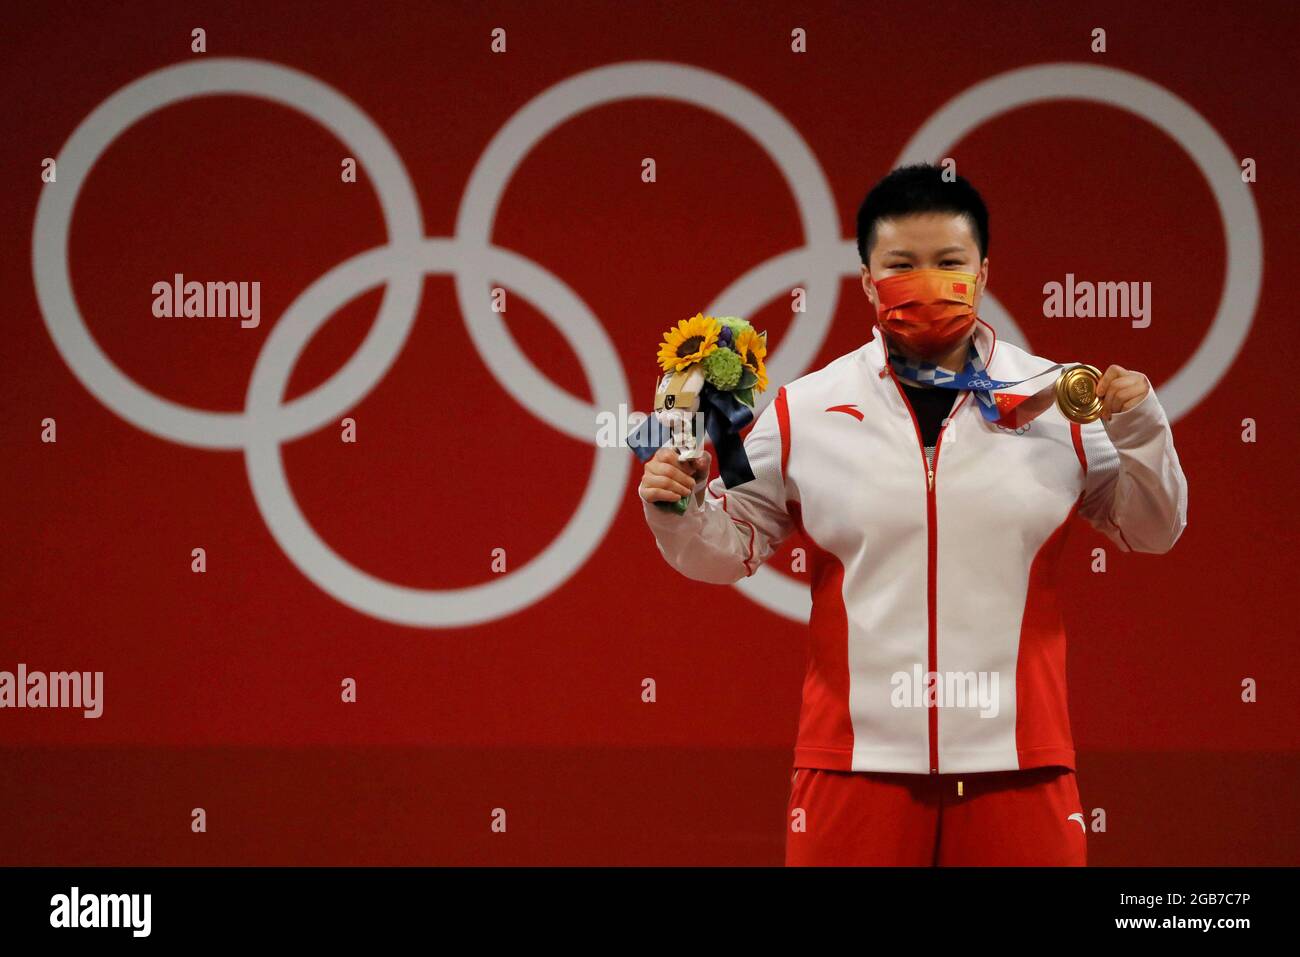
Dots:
pixel 1136 493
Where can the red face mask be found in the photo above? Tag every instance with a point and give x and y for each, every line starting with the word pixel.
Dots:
pixel 926 310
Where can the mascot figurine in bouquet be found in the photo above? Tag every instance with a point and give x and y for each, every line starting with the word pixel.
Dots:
pixel 712 370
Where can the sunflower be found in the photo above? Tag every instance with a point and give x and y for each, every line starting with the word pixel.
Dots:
pixel 690 342
pixel 753 350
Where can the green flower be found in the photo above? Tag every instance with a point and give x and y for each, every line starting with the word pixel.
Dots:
pixel 734 323
pixel 722 367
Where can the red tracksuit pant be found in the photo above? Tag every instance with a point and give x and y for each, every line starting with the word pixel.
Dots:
pixel 1000 818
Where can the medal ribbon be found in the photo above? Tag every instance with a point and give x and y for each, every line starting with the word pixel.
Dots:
pixel 1002 409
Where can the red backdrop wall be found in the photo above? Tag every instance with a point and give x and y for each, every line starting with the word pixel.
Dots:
pixel 222 690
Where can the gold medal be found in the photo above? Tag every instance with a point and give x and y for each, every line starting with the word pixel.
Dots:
pixel 1076 393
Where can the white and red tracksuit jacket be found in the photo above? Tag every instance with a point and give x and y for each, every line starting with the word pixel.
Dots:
pixel 949 570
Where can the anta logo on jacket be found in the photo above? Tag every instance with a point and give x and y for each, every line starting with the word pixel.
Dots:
pixel 936 637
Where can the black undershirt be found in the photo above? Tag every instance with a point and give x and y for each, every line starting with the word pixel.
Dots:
pixel 931 406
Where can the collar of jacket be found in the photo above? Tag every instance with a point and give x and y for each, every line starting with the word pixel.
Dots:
pixel 874 355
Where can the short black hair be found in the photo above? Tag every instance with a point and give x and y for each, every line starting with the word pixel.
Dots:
pixel 921 188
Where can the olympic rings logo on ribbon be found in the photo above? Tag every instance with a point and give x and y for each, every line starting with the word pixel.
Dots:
pixel 820 266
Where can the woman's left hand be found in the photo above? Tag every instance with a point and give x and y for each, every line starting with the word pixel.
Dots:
pixel 1120 390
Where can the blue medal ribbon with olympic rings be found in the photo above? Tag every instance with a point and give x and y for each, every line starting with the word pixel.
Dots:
pixel 973 377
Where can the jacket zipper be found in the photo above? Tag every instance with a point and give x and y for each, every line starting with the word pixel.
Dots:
pixel 932 540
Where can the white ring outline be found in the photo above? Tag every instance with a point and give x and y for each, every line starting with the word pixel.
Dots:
pixel 644 79
pixel 1108 86
pixel 400 604
pixel 165 87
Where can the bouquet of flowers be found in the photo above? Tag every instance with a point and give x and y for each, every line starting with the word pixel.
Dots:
pixel 712 369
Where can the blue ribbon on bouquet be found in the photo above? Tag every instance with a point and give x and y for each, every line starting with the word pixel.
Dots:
pixel 973 377
pixel 724 418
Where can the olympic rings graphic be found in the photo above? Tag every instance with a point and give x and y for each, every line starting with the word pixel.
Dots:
pixel 820 265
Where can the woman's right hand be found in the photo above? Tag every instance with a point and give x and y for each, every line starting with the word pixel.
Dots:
pixel 666 479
